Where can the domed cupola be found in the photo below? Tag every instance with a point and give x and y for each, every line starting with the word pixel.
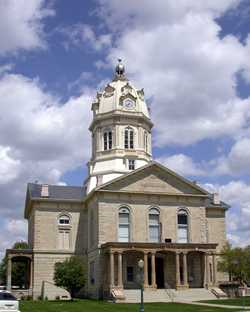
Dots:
pixel 121 130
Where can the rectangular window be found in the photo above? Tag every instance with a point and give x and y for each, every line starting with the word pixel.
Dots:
pixel 105 141
pixel 64 239
pixel 92 272
pixel 130 274
pixel 182 234
pixel 110 139
pixel 123 233
pixel 131 164
pixel 126 139
pixel 131 139
pixel 154 233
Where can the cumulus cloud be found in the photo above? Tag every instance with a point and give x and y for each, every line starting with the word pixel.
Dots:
pixel 41 137
pixel 182 164
pixel 21 24
pixel 237 161
pixel 176 53
pixel 9 167
pixel 237 194
pixel 14 230
pixel 83 35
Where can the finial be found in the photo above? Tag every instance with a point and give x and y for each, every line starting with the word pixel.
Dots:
pixel 120 69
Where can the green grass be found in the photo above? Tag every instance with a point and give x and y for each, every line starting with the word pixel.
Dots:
pixel 101 306
pixel 234 302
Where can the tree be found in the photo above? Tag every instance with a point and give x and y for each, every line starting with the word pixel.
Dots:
pixel 235 261
pixel 71 274
pixel 19 269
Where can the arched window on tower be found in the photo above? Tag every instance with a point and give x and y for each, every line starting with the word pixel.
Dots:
pixel 129 138
pixel 154 225
pixel 182 229
pixel 124 225
pixel 107 140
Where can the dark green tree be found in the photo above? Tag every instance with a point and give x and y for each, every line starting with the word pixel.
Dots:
pixel 19 268
pixel 71 274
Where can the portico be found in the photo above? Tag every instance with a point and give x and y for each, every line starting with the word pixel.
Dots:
pixel 170 265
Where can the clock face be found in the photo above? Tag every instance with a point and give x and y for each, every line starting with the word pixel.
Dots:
pixel 129 104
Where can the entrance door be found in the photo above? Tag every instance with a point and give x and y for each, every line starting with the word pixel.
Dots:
pixel 159 267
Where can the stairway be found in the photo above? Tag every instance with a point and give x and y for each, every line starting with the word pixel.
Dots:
pixel 167 295
pixel 194 294
pixel 134 295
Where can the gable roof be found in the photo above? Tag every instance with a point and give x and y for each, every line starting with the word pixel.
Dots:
pixel 195 187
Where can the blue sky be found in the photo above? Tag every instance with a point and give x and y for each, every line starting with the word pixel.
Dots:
pixel 191 59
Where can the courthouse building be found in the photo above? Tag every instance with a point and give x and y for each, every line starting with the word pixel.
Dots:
pixel 129 208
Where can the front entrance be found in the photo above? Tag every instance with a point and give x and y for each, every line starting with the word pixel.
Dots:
pixel 159 267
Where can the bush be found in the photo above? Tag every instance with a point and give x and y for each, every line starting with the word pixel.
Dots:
pixel 71 274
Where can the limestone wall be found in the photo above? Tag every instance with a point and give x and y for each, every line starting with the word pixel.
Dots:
pixel 46 226
pixel 43 272
pixel 139 206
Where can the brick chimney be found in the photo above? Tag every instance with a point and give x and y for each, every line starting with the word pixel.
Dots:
pixel 216 199
pixel 45 190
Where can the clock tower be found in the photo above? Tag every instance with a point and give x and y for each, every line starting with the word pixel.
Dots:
pixel 121 131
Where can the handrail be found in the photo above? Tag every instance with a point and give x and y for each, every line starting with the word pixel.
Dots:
pixel 169 292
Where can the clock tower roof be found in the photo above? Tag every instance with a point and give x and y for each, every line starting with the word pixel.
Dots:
pixel 120 95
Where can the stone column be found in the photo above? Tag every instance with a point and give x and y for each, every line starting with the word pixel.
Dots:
pixel 153 275
pixel 205 270
pixel 120 281
pixel 208 282
pixel 214 270
pixel 145 269
pixel 31 274
pixel 185 270
pixel 112 271
pixel 9 269
pixel 177 268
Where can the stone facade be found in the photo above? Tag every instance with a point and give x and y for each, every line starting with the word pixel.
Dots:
pixel 123 215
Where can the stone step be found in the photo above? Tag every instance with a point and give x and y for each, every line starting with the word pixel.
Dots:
pixel 167 295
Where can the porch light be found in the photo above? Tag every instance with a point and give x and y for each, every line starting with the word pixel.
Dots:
pixel 141 264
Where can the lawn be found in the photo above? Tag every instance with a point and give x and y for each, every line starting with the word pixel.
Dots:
pixel 100 306
pixel 235 301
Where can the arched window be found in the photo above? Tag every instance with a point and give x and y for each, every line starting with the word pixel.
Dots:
pixel 154 225
pixel 182 221
pixel 124 225
pixel 64 220
pixel 107 140
pixel 129 138
pixel 64 232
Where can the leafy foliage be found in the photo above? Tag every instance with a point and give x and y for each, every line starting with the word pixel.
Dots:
pixel 19 268
pixel 236 261
pixel 71 274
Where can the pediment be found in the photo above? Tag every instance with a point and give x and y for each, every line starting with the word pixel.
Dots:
pixel 154 178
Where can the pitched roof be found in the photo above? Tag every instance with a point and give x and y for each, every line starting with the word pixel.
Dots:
pixel 167 170
pixel 60 192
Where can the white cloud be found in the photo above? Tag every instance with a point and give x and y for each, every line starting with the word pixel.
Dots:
pixel 41 137
pixel 21 24
pixel 15 230
pixel 9 167
pixel 182 164
pixel 83 35
pixel 236 194
pixel 175 52
pixel 237 161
